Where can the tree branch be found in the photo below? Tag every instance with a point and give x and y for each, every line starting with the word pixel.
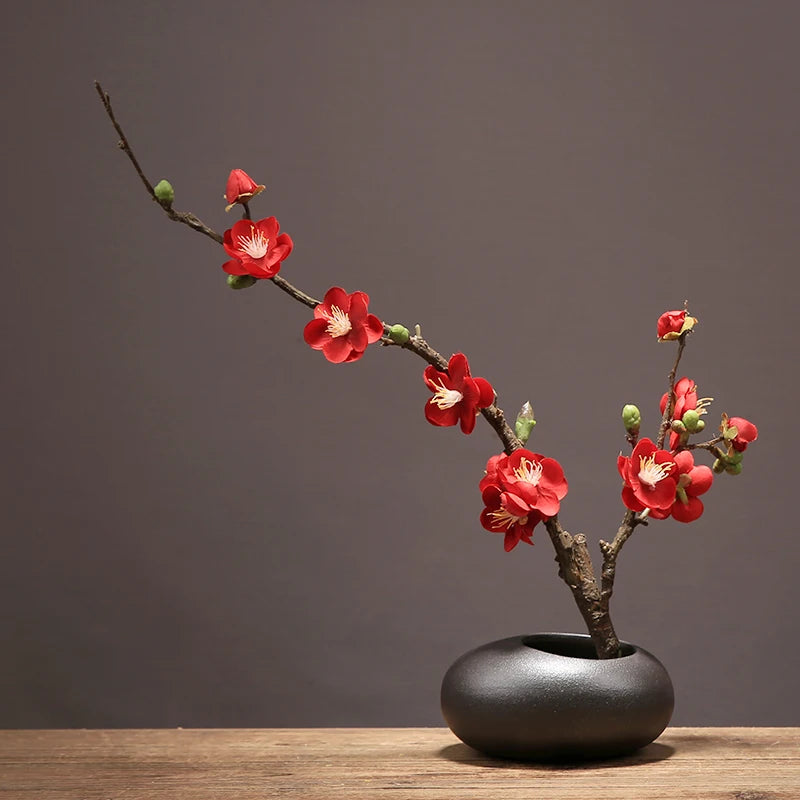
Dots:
pixel 575 568
pixel 416 344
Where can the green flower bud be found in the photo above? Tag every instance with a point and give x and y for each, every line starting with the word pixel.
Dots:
pixel 734 469
pixel 690 419
pixel 241 281
pixel 399 334
pixel 631 418
pixel 164 193
pixel 718 466
pixel 734 457
pixel 700 425
pixel 677 426
pixel 525 422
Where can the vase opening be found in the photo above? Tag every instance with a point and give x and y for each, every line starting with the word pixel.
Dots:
pixel 569 646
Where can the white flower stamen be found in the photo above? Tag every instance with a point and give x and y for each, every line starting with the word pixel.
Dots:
pixel 444 397
pixel 338 323
pixel 505 519
pixel 529 471
pixel 702 405
pixel 651 473
pixel 255 245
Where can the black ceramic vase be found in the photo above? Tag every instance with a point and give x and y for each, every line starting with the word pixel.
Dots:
pixel 548 697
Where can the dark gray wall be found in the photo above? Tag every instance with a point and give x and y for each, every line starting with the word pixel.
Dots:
pixel 206 524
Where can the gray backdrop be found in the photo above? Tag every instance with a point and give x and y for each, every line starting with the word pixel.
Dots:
pixel 206 524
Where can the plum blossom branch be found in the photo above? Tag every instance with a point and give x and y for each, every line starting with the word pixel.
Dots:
pixel 571 552
pixel 458 397
pixel 416 344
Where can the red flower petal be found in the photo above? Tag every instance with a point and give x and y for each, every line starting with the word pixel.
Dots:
pixel 357 337
pixel 514 504
pixel 458 368
pixel 468 417
pixel 553 477
pixel 336 349
pixel 662 495
pixel 336 296
pixel 631 501
pixel 316 333
pixel 685 462
pixel 485 392
pixel 283 246
pixel 358 308
pixel 512 538
pixel 374 328
pixel 687 512
pixel 441 417
pixel 670 322
pixel 702 478
pixel 234 267
pixel 547 503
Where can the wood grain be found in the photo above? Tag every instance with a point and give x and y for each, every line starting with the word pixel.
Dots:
pixel 418 763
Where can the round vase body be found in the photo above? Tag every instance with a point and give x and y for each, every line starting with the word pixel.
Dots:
pixel 548 697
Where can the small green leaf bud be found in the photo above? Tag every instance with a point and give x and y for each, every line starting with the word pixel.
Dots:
pixel 164 193
pixel 525 422
pixel 399 334
pixel 241 281
pixel 631 418
pixel 734 469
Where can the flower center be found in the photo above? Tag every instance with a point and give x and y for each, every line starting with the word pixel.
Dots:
pixel 505 519
pixel 529 471
pixel 651 473
pixel 338 323
pixel 446 398
pixel 256 244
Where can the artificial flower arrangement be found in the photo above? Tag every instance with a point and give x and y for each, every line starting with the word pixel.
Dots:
pixel 520 489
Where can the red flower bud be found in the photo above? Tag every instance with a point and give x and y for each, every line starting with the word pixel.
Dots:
pixel 241 188
pixel 671 324
pixel 746 432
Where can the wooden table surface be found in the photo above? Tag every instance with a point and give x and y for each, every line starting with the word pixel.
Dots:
pixel 391 763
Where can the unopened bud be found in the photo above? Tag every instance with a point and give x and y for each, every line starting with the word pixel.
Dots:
pixel 164 193
pixel 399 334
pixel 718 466
pixel 631 418
pixel 734 469
pixel 691 419
pixel 241 281
pixel 525 422
pixel 677 426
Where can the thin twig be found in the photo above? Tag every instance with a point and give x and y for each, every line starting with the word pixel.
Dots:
pixel 666 419
pixel 178 216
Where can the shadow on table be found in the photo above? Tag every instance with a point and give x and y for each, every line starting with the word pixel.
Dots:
pixel 463 754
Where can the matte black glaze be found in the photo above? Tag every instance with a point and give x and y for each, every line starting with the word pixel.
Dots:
pixel 547 697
